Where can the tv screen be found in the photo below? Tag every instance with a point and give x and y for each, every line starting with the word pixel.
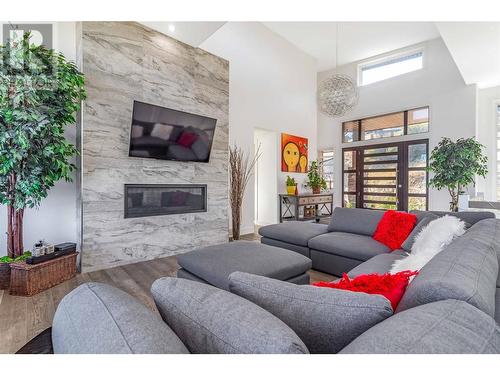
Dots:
pixel 163 133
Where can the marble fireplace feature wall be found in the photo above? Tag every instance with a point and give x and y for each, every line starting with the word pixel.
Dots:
pixel 123 62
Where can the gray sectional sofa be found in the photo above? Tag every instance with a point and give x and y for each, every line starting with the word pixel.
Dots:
pixel 451 306
pixel 347 241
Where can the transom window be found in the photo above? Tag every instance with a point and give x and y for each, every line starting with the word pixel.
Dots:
pixel 391 66
pixel 413 121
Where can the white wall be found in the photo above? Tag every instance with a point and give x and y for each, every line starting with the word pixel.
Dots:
pixel 438 85
pixel 487 135
pixel 266 189
pixel 272 86
pixel 55 220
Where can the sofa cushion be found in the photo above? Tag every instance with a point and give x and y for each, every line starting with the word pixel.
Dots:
pixel 210 320
pixel 325 319
pixel 355 220
pixel 294 232
pixel 215 263
pixel 466 270
pixel 444 327
pixel 99 319
pixel 380 264
pixel 469 217
pixel 350 245
pixel 421 224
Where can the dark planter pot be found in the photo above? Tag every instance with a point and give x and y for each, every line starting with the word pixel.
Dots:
pixel 316 190
pixel 4 276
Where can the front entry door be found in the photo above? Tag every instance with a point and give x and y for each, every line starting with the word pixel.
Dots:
pixel 389 176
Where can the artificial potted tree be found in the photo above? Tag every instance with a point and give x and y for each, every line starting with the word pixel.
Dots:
pixel 291 185
pixel 40 93
pixel 455 165
pixel 314 179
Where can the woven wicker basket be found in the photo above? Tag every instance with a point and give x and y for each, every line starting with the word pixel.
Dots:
pixel 30 279
pixel 4 275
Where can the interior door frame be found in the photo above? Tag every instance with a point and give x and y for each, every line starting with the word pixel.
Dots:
pixel 402 194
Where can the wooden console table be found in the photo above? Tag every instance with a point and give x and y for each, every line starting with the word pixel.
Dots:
pixel 29 279
pixel 290 206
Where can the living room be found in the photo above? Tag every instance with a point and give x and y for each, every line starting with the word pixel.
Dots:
pixel 264 184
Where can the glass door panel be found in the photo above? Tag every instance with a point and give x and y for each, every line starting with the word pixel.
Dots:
pixel 391 176
pixel 349 178
pixel 380 168
pixel 416 174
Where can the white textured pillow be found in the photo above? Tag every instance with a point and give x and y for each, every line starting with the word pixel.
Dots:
pixel 429 242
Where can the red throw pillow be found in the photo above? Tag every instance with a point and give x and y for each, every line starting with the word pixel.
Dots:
pixel 187 139
pixel 394 228
pixel 390 286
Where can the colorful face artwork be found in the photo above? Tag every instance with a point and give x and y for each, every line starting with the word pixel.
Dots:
pixel 294 156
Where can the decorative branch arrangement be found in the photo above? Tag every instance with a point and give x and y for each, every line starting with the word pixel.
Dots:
pixel 240 170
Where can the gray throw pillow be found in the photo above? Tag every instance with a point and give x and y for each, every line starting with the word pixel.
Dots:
pixel 325 319
pixel 423 222
pixel 209 320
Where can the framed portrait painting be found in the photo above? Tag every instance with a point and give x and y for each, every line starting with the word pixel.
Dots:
pixel 294 153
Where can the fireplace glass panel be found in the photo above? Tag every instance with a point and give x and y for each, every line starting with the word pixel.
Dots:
pixel 154 200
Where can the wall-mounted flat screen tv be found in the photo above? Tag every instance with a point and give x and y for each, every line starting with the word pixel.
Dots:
pixel 163 133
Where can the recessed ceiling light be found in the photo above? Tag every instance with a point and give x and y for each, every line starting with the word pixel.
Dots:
pixel 171 28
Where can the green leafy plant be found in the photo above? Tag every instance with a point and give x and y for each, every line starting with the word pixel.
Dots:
pixel 20 258
pixel 40 93
pixel 314 179
pixel 290 181
pixel 455 165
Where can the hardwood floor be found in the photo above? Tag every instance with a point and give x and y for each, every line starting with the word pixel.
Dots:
pixel 22 318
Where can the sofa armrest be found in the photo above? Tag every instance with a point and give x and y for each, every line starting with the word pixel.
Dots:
pixel 97 318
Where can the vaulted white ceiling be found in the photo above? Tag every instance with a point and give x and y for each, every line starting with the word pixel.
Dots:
pixel 355 40
pixel 192 33
pixel 474 46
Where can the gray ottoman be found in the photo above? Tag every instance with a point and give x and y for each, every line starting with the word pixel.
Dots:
pixel 214 264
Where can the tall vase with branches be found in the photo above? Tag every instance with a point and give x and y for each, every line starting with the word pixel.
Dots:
pixel 40 92
pixel 241 166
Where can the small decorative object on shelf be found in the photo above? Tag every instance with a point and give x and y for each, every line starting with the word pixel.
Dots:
pixel 291 185
pixel 309 212
pixel 49 249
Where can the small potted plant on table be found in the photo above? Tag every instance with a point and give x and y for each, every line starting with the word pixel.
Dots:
pixel 314 179
pixel 291 185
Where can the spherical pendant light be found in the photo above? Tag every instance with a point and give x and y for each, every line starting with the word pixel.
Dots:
pixel 337 94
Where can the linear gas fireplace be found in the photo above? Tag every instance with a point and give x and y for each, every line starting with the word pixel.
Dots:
pixel 154 200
